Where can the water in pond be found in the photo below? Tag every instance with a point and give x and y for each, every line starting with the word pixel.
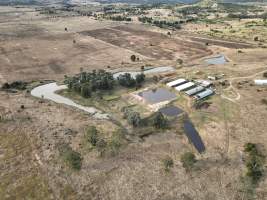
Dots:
pixel 171 111
pixel 47 91
pixel 148 71
pixel 193 136
pixel 217 60
pixel 157 95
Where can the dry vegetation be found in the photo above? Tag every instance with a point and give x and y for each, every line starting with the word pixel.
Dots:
pixel 35 46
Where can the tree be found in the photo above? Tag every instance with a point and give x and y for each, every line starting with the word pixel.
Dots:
pixel 86 90
pixel 126 80
pixel 92 135
pixel 133 58
pixel 188 159
pixel 159 120
pixel 133 118
pixel 179 61
pixel 139 78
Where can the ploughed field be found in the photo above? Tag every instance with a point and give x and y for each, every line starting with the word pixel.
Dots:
pixel 150 44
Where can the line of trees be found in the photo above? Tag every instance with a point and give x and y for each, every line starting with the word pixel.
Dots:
pixel 120 18
pixel 161 23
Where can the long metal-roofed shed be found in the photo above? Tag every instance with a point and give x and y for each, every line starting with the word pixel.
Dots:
pixel 260 82
pixel 185 86
pixel 195 90
pixel 176 82
pixel 204 94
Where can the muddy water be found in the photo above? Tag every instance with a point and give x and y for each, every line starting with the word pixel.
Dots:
pixel 157 95
pixel 217 60
pixel 48 91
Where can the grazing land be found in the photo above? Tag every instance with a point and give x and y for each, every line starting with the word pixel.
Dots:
pixel 56 151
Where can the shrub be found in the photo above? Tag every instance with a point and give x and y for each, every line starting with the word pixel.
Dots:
pixel 254 163
pixel 188 159
pixel 92 135
pixel 167 163
pixel 72 158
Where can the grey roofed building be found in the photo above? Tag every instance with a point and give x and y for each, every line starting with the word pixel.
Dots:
pixel 194 90
pixel 206 93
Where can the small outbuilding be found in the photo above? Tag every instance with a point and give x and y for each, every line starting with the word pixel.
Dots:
pixel 260 82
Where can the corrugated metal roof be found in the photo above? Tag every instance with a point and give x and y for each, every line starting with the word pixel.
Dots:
pixel 185 86
pixel 176 82
pixel 204 94
pixel 194 90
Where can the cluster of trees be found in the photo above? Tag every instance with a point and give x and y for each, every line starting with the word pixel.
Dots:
pixel 94 138
pixel 157 119
pixel 254 163
pixel 19 85
pixel 86 83
pixel 160 23
pixel 127 80
pixel 120 18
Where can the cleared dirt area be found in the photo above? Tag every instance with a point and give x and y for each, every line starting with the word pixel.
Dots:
pixel 151 44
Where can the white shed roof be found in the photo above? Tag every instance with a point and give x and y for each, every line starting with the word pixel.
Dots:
pixel 176 82
pixel 185 86
pixel 260 82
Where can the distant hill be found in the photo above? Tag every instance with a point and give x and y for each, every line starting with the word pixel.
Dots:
pixel 199 2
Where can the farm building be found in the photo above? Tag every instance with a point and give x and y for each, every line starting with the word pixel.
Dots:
pixel 204 94
pixel 185 86
pixel 194 90
pixel 204 83
pixel 260 82
pixel 176 82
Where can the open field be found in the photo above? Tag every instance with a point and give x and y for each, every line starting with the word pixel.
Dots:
pixel 35 47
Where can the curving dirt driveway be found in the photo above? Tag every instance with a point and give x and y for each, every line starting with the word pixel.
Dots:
pixel 238 96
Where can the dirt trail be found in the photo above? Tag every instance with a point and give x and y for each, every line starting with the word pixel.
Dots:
pixel 238 96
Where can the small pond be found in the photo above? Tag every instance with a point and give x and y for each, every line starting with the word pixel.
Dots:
pixel 171 111
pixel 193 136
pixel 217 60
pixel 146 71
pixel 157 95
